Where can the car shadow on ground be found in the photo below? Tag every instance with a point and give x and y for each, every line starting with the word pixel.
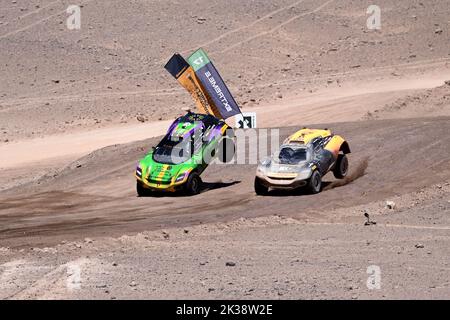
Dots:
pixel 206 186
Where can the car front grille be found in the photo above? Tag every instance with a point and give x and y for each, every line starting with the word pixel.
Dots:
pixel 154 181
pixel 281 178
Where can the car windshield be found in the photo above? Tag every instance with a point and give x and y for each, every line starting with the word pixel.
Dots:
pixel 172 152
pixel 288 155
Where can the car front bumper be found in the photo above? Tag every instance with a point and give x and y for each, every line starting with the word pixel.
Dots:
pixel 159 185
pixel 281 181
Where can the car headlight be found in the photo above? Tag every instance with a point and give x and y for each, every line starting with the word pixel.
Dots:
pixel 139 170
pixel 181 176
pixel 303 173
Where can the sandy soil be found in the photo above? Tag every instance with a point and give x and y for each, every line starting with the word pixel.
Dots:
pixel 56 81
pixel 95 195
pixel 70 139
pixel 257 258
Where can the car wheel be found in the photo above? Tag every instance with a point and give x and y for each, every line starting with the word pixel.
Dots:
pixel 193 184
pixel 341 168
pixel 315 182
pixel 141 191
pixel 260 189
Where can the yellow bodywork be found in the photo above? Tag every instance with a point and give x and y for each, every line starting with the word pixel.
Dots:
pixel 307 135
pixel 163 171
pixel 334 145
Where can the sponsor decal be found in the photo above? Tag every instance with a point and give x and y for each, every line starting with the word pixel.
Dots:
pixel 185 75
pixel 220 98
pixel 246 120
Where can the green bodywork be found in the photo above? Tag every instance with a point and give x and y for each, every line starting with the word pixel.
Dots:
pixel 156 173
pixel 161 176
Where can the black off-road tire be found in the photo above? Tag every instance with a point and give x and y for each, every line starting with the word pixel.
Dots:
pixel 141 191
pixel 260 189
pixel 314 185
pixel 193 184
pixel 340 170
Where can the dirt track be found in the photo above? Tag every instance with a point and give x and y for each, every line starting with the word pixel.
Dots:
pixel 65 94
pixel 95 196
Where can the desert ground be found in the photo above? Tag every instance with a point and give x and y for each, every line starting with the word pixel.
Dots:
pixel 79 108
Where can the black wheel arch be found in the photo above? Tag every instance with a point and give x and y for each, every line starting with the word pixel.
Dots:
pixel 345 148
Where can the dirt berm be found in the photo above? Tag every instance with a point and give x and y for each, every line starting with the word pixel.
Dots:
pixel 95 196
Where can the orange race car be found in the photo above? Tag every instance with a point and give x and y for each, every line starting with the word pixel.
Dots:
pixel 303 159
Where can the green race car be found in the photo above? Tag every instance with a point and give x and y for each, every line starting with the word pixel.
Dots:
pixel 176 163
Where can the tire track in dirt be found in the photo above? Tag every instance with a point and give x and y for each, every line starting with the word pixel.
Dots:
pixel 14 32
pixel 61 280
pixel 32 101
pixel 278 27
pixel 100 199
pixel 164 60
pixel 226 34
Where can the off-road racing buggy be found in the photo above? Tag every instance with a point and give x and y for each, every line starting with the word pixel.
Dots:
pixel 303 159
pixel 190 144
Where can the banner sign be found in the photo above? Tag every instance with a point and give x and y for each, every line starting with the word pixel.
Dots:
pixel 176 65
pixel 220 97
pixel 184 73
